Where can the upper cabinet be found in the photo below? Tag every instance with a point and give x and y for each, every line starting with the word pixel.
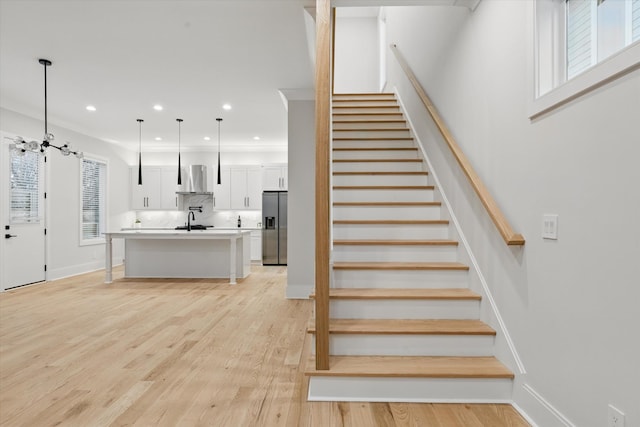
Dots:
pixel 274 177
pixel 222 191
pixel 246 187
pixel 158 189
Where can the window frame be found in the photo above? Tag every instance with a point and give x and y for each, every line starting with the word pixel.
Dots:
pixel 97 240
pixel 549 62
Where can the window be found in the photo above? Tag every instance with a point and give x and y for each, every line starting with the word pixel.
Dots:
pixel 93 198
pixel 25 187
pixel 580 45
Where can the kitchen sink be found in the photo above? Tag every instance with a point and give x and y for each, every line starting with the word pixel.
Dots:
pixel 194 227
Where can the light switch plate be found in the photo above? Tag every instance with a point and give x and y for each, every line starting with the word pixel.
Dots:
pixel 550 226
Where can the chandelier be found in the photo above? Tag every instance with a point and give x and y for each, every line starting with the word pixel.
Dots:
pixel 21 146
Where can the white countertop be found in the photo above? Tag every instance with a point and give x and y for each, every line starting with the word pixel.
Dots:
pixel 178 234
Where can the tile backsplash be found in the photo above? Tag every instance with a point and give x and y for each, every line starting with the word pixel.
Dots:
pixel 208 216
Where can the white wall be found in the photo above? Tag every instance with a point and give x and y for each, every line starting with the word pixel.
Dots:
pixel 570 305
pixel 64 254
pixel 301 203
pixel 356 55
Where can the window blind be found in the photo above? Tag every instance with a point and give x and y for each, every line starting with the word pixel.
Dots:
pixel 635 21
pixel 579 36
pixel 93 198
pixel 25 187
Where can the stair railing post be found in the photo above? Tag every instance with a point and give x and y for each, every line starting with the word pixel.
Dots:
pixel 323 134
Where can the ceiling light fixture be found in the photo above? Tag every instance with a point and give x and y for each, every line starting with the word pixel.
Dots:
pixel 179 169
pixel 158 107
pixel 157 138
pixel 256 138
pixel 139 150
pixel 91 108
pixel 219 175
pixel 226 107
pixel 206 138
pixel 20 146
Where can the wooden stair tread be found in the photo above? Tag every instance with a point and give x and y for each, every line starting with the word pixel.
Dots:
pixel 370 121
pixel 399 266
pixel 377 160
pixel 383 187
pixel 390 113
pixel 387 203
pixel 377 138
pixel 403 293
pixel 382 173
pixel 377 149
pixel 407 327
pixel 392 221
pixel 373 130
pixel 412 366
pixel 373 242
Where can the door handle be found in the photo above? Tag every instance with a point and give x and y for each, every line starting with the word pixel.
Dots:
pixel 8 236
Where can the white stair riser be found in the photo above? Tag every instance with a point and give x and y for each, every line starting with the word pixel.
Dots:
pixel 419 195
pixel 420 279
pixel 348 253
pixel 386 212
pixel 364 96
pixel 361 231
pixel 381 180
pixel 396 133
pixel 339 124
pixel 368 389
pixel 405 309
pixel 378 102
pixel 360 110
pixel 375 154
pixel 348 143
pixel 369 117
pixel 409 345
pixel 379 166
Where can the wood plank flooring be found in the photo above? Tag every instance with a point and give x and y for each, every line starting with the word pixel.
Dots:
pixel 160 352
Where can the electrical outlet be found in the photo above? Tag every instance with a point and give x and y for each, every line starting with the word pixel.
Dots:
pixel 615 417
pixel 550 226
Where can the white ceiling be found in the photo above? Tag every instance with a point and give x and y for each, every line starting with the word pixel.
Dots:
pixel 125 56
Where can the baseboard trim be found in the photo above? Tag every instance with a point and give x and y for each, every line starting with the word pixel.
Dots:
pixel 532 406
pixel 298 291
pixel 74 270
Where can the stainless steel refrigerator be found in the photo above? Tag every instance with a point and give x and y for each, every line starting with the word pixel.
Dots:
pixel 274 228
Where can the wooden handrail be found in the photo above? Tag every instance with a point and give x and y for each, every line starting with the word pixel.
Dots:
pixel 510 237
pixel 323 171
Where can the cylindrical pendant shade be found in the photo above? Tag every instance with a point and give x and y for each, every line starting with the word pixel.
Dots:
pixel 139 150
pixel 179 168
pixel 219 174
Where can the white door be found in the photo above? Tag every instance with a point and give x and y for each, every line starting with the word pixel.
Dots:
pixel 23 233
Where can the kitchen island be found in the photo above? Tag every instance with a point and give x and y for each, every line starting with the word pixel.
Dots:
pixel 182 254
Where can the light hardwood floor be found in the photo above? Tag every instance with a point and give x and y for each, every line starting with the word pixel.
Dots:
pixel 78 352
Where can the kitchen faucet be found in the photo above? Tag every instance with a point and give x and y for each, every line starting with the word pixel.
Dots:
pixel 190 216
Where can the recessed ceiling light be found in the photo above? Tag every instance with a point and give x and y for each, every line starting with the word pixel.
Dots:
pixel 256 138
pixel 158 107
pixel 158 138
pixel 90 108
pixel 206 138
pixel 226 107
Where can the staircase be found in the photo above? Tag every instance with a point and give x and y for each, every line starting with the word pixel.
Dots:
pixel 404 324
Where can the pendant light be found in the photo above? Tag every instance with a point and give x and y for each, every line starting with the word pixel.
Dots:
pixel 139 151
pixel 21 146
pixel 219 175
pixel 179 168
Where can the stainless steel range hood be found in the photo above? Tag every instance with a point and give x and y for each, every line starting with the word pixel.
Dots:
pixel 197 181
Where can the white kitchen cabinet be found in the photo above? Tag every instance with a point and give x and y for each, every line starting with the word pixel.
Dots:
pixel 256 245
pixel 274 177
pixel 158 189
pixel 149 194
pixel 169 186
pixel 246 187
pixel 221 192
